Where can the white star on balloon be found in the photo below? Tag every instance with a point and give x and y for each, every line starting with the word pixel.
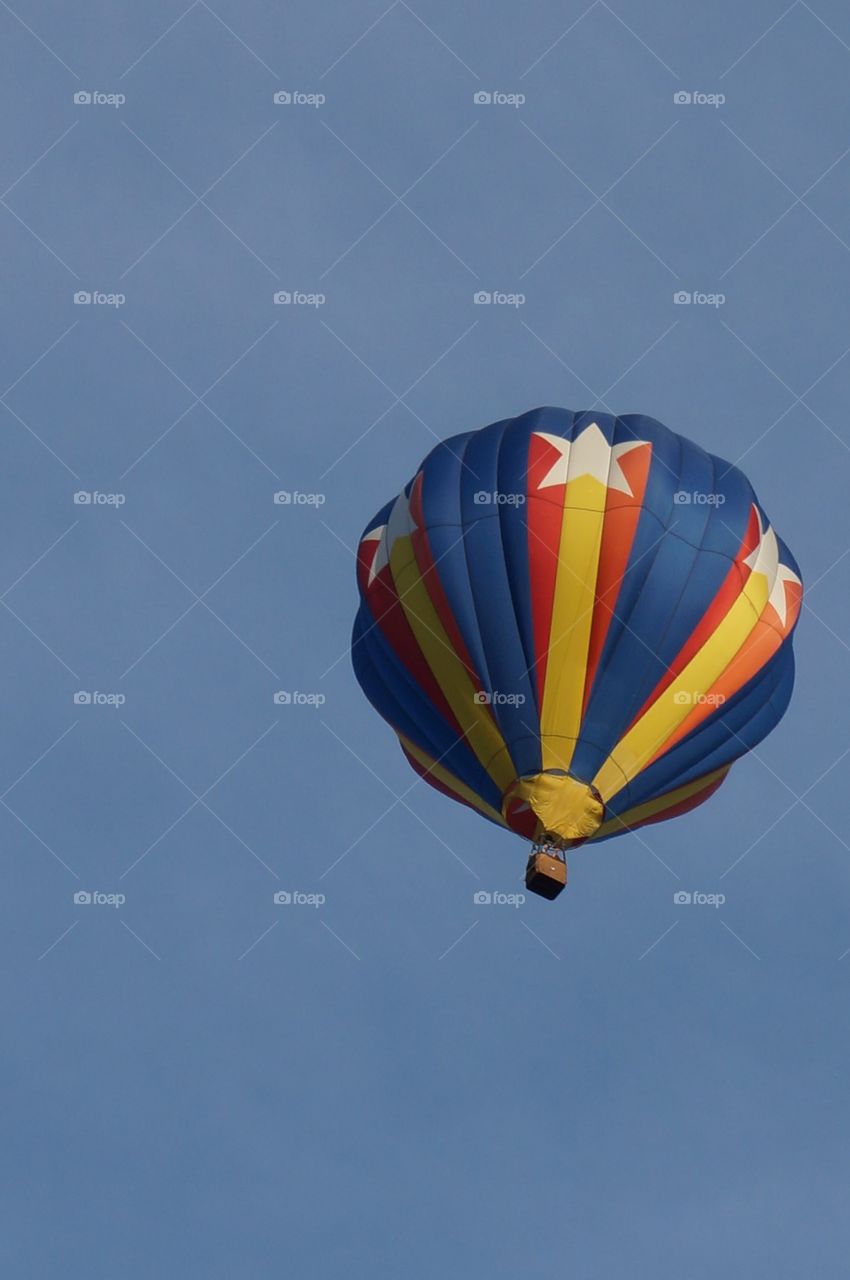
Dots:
pixel 764 559
pixel 400 525
pixel 589 454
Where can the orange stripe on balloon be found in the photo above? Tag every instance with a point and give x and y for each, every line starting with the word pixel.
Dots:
pixel 622 512
pixel 726 596
pixel 757 650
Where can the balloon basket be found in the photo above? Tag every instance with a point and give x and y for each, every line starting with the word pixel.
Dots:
pixel 546 872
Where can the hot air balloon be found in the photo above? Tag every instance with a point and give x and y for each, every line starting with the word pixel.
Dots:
pixel 575 623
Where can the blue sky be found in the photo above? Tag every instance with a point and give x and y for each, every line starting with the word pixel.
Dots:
pixel 197 1080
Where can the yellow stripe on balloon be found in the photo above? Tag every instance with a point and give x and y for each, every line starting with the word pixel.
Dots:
pixel 480 729
pixel 653 807
pixel 663 717
pixel 572 618
pixel 449 780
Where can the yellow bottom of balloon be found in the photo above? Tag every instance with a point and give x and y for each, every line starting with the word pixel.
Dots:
pixel 567 810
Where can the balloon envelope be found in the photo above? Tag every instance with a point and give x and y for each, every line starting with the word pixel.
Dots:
pixel 575 623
